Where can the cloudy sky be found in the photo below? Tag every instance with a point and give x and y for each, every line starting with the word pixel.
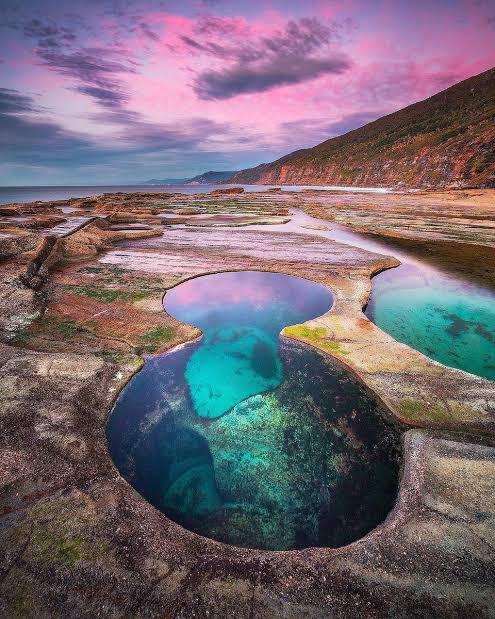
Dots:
pixel 105 92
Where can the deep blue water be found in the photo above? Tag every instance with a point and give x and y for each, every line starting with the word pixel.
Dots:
pixel 250 438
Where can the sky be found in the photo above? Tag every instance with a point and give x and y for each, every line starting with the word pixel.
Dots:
pixel 121 91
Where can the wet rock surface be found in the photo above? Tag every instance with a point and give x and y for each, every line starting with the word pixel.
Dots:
pixel 466 216
pixel 77 540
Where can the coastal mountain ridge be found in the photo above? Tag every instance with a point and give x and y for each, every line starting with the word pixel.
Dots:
pixel 447 140
pixel 206 178
pixel 212 177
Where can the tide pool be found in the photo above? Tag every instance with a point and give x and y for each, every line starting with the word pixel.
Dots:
pixel 443 314
pixel 444 317
pixel 249 438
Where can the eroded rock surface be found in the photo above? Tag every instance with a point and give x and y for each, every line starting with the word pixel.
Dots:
pixel 78 541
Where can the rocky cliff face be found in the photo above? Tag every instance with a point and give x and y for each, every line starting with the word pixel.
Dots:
pixel 447 140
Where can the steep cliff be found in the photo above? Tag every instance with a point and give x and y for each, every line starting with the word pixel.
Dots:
pixel 446 140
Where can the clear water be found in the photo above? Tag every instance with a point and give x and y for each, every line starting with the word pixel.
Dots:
pixel 241 315
pixel 249 438
pixel 439 312
pixel 443 316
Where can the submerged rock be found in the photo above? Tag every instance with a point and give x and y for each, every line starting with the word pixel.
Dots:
pixel 313 462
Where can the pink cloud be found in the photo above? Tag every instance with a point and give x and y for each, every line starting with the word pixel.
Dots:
pixel 318 65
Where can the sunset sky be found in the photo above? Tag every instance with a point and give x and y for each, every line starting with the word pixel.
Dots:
pixel 118 92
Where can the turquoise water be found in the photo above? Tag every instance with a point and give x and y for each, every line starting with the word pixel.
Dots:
pixel 251 439
pixel 438 311
pixel 443 316
pixel 241 315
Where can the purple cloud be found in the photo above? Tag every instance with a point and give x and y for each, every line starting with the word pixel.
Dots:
pixel 265 75
pixel 300 53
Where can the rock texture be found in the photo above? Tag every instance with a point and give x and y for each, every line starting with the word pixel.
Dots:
pixel 230 190
pixel 444 217
pixel 446 140
pixel 78 541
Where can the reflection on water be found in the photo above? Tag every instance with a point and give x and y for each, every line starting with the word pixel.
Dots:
pixel 442 314
pixel 240 315
pixel 306 460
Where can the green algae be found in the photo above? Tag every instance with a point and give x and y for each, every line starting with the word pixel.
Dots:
pixel 108 295
pixel 315 335
pixel 54 535
pixel 412 409
pixel 66 548
pixel 23 603
pixel 309 333
pixel 133 361
pixel 157 335
pixel 51 547
pixel 419 411
pixel 154 338
pixel 117 270
pixel 21 337
pixel 66 327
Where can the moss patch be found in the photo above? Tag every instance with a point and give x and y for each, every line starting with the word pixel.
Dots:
pixel 65 549
pixel 103 269
pixel 415 411
pixel 65 327
pixel 21 337
pixel 153 338
pixel 108 295
pixel 315 335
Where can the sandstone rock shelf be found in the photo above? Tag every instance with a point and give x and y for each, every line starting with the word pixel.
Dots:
pixel 78 312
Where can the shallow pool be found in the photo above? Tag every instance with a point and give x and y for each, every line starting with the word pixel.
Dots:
pixel 445 317
pixel 443 314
